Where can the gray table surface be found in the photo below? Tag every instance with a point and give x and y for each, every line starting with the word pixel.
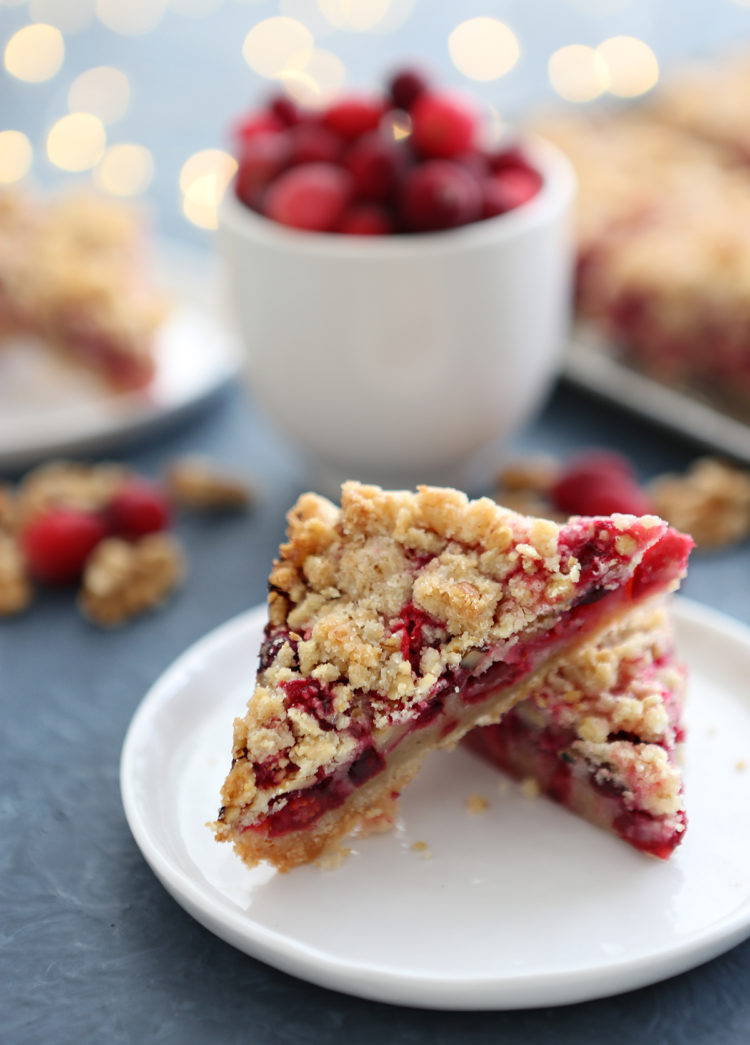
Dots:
pixel 91 946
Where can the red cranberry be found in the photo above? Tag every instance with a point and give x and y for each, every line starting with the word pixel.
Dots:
pixel 57 544
pixel 313 143
pixel 406 86
pixel 255 123
pixel 600 484
pixel 352 117
pixel 476 163
pixel 440 195
pixel 442 126
pixel 284 110
pixel 366 219
pixel 510 156
pixel 262 157
pixel 508 189
pixel 139 508
pixel 375 164
pixel 313 196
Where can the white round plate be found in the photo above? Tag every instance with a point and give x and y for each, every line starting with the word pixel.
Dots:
pixel 523 905
pixel 49 408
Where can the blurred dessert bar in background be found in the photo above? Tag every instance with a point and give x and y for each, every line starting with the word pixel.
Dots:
pixel 663 228
pixel 73 272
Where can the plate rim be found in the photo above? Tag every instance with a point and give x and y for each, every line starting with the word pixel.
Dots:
pixel 375 982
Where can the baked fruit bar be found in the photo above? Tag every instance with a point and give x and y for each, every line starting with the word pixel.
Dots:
pixel 397 623
pixel 73 272
pixel 600 733
pixel 663 252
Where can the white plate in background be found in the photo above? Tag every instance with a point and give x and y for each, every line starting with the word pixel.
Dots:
pixel 524 905
pixel 48 408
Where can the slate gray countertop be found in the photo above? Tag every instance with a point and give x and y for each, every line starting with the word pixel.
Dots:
pixel 92 948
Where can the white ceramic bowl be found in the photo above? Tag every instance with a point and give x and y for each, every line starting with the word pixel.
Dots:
pixel 397 359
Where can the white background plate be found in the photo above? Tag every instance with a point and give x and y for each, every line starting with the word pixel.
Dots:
pixel 48 407
pixel 524 905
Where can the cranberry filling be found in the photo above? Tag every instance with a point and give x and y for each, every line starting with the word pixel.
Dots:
pixel 271 647
pixel 313 698
pixel 410 627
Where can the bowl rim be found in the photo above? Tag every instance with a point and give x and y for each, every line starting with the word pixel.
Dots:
pixel 558 189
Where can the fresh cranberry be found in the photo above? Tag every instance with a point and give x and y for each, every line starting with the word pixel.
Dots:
pixel 139 508
pixel 440 195
pixel 508 189
pixel 366 219
pixel 442 126
pixel 255 123
pixel 600 484
pixel 314 143
pixel 284 110
pixel 313 196
pixel 510 156
pixel 474 162
pixel 262 157
pixel 352 117
pixel 375 164
pixel 57 543
pixel 406 86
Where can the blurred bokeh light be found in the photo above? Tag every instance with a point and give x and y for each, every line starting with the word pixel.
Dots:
pixel 69 16
pixel 578 73
pixel 35 53
pixel 102 91
pixel 203 180
pixel 483 48
pixel 126 169
pixel 16 155
pixel 317 82
pixel 631 66
pixel 130 17
pixel 277 45
pixel 76 142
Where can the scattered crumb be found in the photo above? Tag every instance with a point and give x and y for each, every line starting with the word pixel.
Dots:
pixel 15 588
pixel 740 765
pixel 477 804
pixel 532 473
pixel 122 579
pixel 197 483
pixel 334 858
pixel 529 788
pixel 711 502
pixel 503 786
pixel 423 849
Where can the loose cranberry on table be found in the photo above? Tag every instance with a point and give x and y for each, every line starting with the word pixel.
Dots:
pixel 599 484
pixel 138 508
pixel 325 171
pixel 57 543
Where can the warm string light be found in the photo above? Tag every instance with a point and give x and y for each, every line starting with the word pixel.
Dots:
pixel 130 17
pixel 35 53
pixel 15 156
pixel 194 8
pixel 483 48
pixel 76 142
pixel 277 45
pixel 125 169
pixel 622 65
pixel 69 16
pixel 102 91
pixel 318 80
pixel 203 180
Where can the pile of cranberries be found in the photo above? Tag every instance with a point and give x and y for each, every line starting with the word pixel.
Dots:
pixel 345 170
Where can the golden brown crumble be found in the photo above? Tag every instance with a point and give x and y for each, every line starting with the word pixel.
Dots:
pixel 485 572
pixel 477 804
pixel 15 588
pixel 529 788
pixel 122 579
pixel 68 484
pixel 7 507
pixel 711 502
pixel 197 483
pixel 643 772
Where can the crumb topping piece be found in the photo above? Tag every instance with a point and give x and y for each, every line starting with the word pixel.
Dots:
pixel 123 579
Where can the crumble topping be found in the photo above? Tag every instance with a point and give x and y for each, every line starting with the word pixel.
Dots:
pixel 197 483
pixel 371 603
pixel 477 804
pixel 711 502
pixel 16 592
pixel 643 772
pixel 123 579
